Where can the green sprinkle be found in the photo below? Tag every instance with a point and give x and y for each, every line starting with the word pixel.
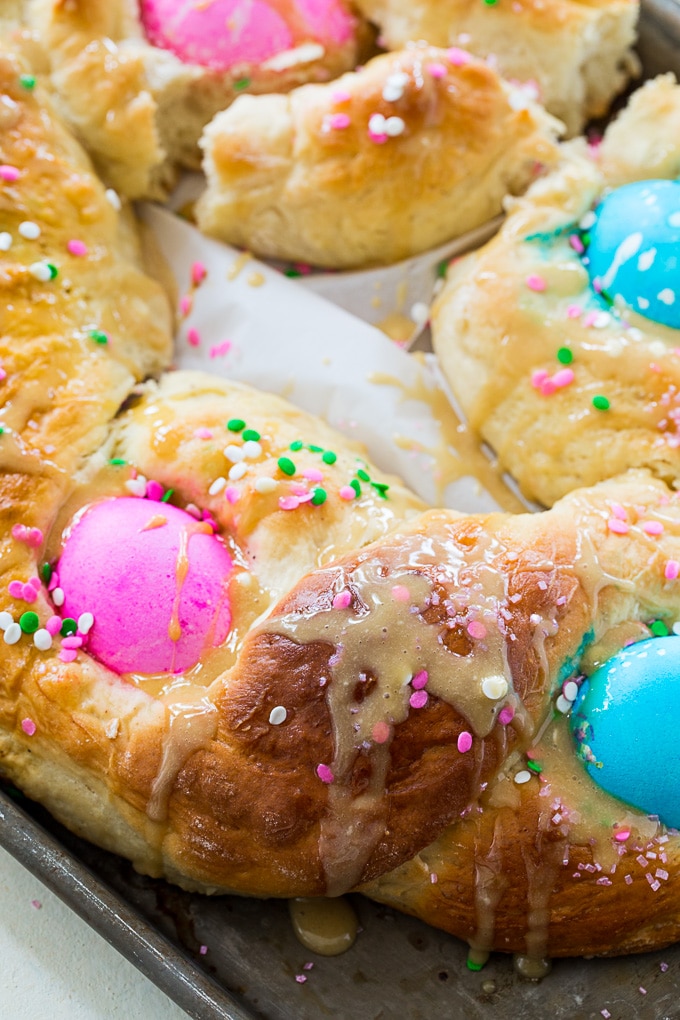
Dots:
pixel 534 766
pixel 27 81
pixel 355 485
pixel 46 571
pixel 2 431
pixel 167 496
pixel 99 336
pixel 236 424
pixel 241 84
pixel 471 964
pixel 286 465
pixel 607 298
pixel 442 268
pixel 328 457
pixel 292 273
pixel 118 461
pixel 297 445
pixel 319 496
pixel 565 356
pixel 490 3
pixel 363 475
pixel 381 488
pixel 315 449
pixel 251 434
pixel 29 622
pixel 601 403
pixel 586 239
pixel 68 627
pixel 658 628
pixel 54 272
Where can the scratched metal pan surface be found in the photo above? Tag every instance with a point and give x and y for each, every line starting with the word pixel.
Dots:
pixel 398 966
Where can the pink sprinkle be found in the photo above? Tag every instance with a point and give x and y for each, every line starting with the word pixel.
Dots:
pixel 628 879
pixel 34 583
pixel 8 173
pixel 400 593
pixel 564 377
pixel 25 592
pixel 313 475
pixel 186 304
pixel 380 732
pixel 76 247
pixel 289 502
pixel 642 991
pixel 434 877
pixel 299 490
pixel 663 967
pixel 548 388
pixel 459 57
pixel 605 1013
pixel 31 536
pixel 324 774
pixel 617 526
pixel 28 726
pixel 301 978
pixel 198 273
pixel 347 492
pixel 622 835
pixel 652 527
pixel 535 282
pixel 68 654
pixel 232 494
pixel 476 630
pixel 574 311
pixel 303 268
pixel 154 491
pixel 419 680
pixel 337 121
pixel 341 96
pixel 219 350
pixel 53 625
pixel 577 244
pixel 193 337
pixel 437 70
pixel 538 378
pixel 342 600
pixel 619 511
pixel 36 904
pixel 418 699
pixel 3 374
pixel 203 950
pixel 203 433
pixel 672 570
pixel 506 715
pixel 464 741
pixel 378 137
pixel 72 642
pixel 590 319
pixel 308 966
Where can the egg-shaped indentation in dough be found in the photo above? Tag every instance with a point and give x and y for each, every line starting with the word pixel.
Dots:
pixel 154 579
pixel 625 724
pixel 633 252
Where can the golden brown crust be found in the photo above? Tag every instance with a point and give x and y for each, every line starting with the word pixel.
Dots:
pixel 277 164
pixel 492 332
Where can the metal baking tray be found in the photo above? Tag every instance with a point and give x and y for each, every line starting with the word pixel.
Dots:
pixel 398 967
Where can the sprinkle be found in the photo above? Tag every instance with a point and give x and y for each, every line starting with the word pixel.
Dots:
pixel 363 475
pixel 29 622
pixel 186 304
pixel 476 630
pixel 672 570
pixel 301 978
pixel 154 491
pixel 380 732
pixel 341 96
pixel 419 680
pixel 252 450
pixel 286 465
pixel 99 336
pixel 617 526
pixel 564 377
pixel 563 705
pixel 278 715
pixel 68 655
pixel 203 433
pixel 85 623
pixel 29 230
pixel 663 967
pixel 605 1013
pixel 659 629
pixel 565 356
pixel 71 641
pixel 198 273
pixel 652 527
pixel 522 777
pixel 536 283
pixel 464 741
pixel 9 173
pixel 219 350
pixel 217 486
pixel 289 502
pixel 236 424
pixel 619 511
pixel 400 593
pixel 193 337
pixel 237 471
pixel 27 81
pixel 642 991
pixel 324 774
pixel 136 486
pixel 28 726
pixel 395 126
pixel 12 634
pixel 41 271
pixel 418 699
pixel 6 620
pixel 329 457
pixel 506 715
pixel 53 625
pixel 376 128
pixel 458 57
pixel 495 687
pixel 577 244
pixel 5 241
pixel 77 248
pixel 342 600
pixel 42 639
pixel 336 122
pixel 534 766
pixel 241 84
pixel 31 536
pixel 68 626
pixel 354 484
pixel 348 492
pixel 265 484
pixel 570 690
pixel 313 475
pixel 203 950
pixel 319 496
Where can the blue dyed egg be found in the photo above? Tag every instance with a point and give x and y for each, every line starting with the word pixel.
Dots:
pixel 634 250
pixel 626 723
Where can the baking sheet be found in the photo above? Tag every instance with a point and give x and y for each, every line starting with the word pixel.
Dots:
pixel 398 967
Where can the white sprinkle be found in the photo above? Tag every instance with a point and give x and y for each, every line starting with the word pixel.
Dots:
pixel 192 509
pixel 265 484
pixel 234 453
pixel 278 715
pixel 112 728
pixel 40 271
pixel 535 619
pixel 667 296
pixel 5 241
pixel 237 471
pixel 217 486
pixel 570 690
pixel 522 777
pixel 136 486
pixel 252 449
pixel 12 634
pixel 588 220
pixel 563 705
pixel 6 620
pixel 394 126
pixel 113 199
pixel 391 93
pixel 674 219
pixel 676 628
pixel 646 260
pixel 29 230
pixel 85 621
pixel 42 639
pixel 398 78
pixel 58 596
pixel 495 687
pixel 376 124
pixel 420 313
pixel 602 320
